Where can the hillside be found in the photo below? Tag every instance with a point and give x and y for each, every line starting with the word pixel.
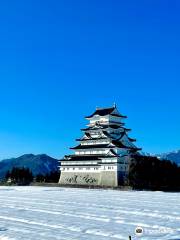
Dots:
pixel 38 164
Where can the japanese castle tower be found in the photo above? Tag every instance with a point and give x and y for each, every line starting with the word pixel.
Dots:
pixel 104 151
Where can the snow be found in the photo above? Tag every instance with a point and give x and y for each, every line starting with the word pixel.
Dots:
pixel 37 213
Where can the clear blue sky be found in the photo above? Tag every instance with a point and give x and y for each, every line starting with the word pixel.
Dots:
pixel 61 59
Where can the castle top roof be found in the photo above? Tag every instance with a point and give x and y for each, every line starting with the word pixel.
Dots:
pixel 104 112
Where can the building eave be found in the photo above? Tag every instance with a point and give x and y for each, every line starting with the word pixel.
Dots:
pixel 100 146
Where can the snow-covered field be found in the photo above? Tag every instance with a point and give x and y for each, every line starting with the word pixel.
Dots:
pixel 62 213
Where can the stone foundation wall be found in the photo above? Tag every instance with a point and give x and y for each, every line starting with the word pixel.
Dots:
pixel 108 178
pixel 79 178
pixel 104 178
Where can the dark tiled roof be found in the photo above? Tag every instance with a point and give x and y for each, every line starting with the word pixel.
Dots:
pixel 127 129
pixel 92 146
pixel 88 135
pixel 107 135
pixel 86 157
pixel 113 126
pixel 132 139
pixel 118 115
pixel 134 150
pixel 121 145
pixel 102 112
pixel 122 135
pixel 106 111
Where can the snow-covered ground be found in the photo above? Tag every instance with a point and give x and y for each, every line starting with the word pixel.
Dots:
pixel 63 213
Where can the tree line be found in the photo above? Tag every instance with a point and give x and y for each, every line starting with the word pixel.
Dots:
pixel 145 172
pixel 151 173
pixel 24 176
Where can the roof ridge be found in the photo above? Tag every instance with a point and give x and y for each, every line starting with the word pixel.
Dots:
pixel 101 108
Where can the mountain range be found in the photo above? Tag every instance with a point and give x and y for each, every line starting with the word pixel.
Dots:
pixel 173 156
pixel 38 164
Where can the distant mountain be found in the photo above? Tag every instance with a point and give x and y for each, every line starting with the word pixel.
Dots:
pixel 147 154
pixel 38 164
pixel 173 156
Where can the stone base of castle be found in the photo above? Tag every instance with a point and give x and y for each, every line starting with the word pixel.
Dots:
pixel 104 178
